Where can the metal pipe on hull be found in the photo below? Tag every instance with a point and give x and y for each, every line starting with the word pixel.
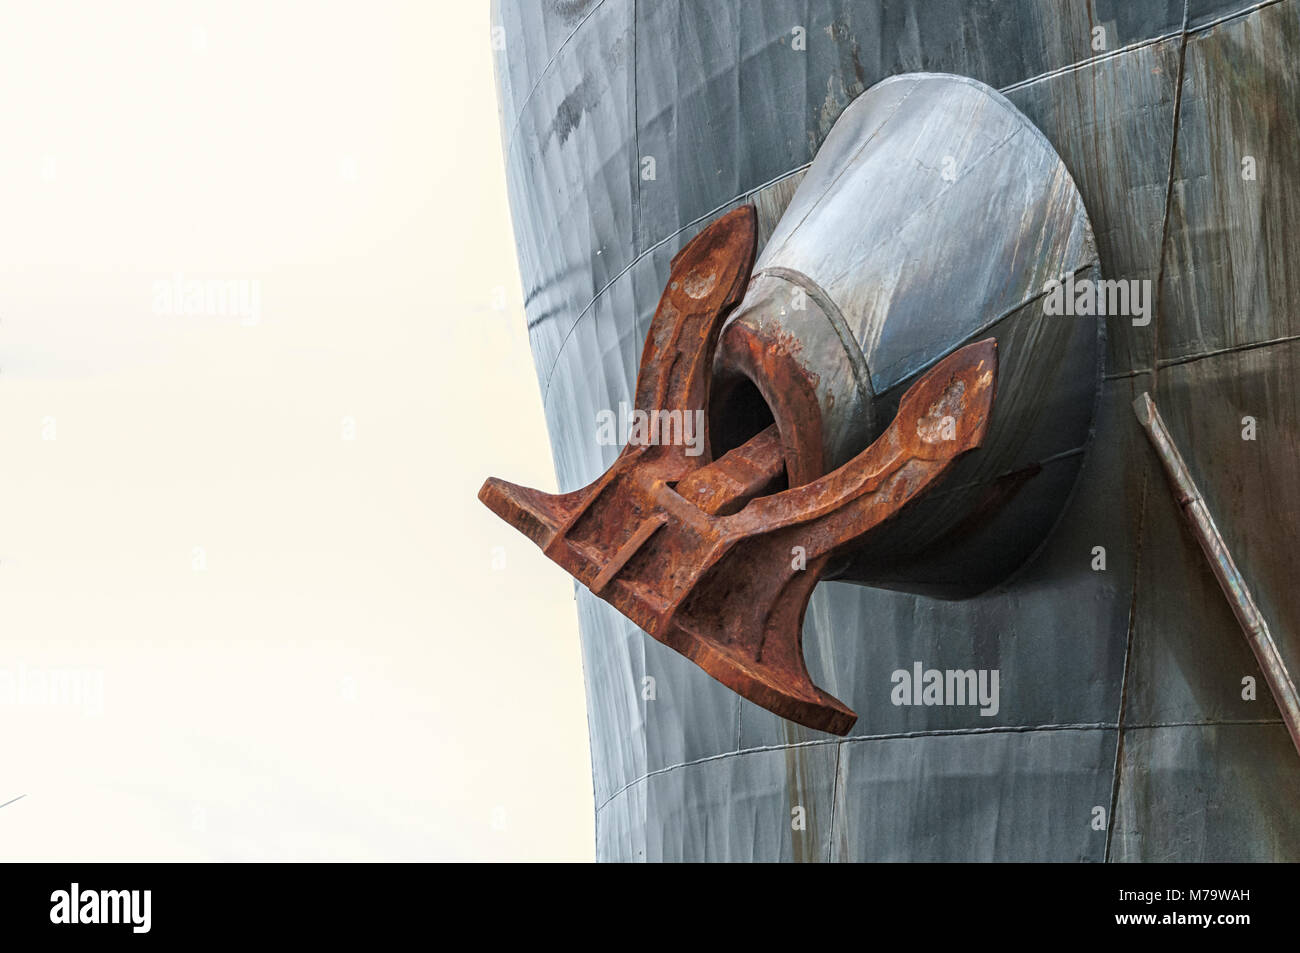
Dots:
pixel 1225 570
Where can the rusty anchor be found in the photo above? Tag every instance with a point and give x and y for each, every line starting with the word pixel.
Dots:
pixel 711 557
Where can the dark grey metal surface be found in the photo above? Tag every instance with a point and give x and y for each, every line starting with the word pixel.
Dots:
pixel 1121 689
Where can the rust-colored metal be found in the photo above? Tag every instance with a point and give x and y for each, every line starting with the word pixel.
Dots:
pixel 770 361
pixel 689 548
pixel 1224 567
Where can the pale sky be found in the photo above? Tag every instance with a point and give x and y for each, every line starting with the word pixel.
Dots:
pixel 249 598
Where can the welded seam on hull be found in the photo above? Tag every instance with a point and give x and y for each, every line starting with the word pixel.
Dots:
pixel 1228 723
pixel 942 733
pixel 899 736
pixel 835 796
pixel 1117 775
pixel 1203 355
pixel 1085 63
pixel 1234 15
pixel 1249 346
pixel 1140 44
pixel 1117 769
pixel 1169 198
